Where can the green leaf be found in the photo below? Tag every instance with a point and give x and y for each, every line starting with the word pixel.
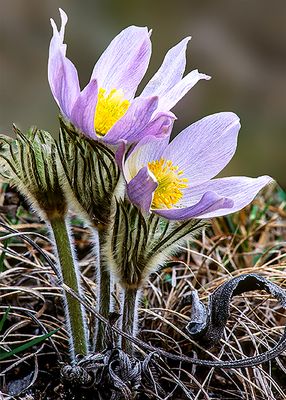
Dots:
pixel 168 278
pixel 281 194
pixel 232 226
pixel 3 319
pixel 27 345
pixel 253 213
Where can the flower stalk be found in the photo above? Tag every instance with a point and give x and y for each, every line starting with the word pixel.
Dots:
pixel 103 294
pixel 70 276
pixel 129 322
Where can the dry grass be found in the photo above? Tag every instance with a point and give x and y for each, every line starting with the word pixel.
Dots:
pixel 253 240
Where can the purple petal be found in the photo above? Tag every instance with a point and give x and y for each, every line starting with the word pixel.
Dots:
pixel 160 126
pixel 57 41
pixel 240 189
pixel 62 74
pixel 209 202
pixel 170 72
pixel 171 98
pixel 125 61
pixel 131 125
pixel 148 149
pixel 82 115
pixel 120 154
pixel 141 188
pixel 204 148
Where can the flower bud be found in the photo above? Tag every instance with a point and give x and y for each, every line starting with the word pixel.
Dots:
pixel 91 173
pixel 29 162
pixel 137 244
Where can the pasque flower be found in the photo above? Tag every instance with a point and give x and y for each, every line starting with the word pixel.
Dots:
pixel 106 107
pixel 175 180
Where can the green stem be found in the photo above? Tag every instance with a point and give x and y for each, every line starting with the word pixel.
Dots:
pixel 103 288
pixel 129 318
pixel 74 313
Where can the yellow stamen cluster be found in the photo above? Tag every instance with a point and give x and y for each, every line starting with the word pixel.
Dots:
pixel 109 109
pixel 170 185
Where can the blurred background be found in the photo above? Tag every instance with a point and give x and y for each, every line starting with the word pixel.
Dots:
pixel 240 43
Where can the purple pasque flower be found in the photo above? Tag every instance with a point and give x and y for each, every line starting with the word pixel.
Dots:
pixel 106 107
pixel 175 180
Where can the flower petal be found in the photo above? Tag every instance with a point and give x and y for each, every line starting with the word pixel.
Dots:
pixel 170 72
pixel 148 149
pixel 124 62
pixel 240 189
pixel 62 74
pixel 209 202
pixel 204 148
pixel 120 154
pixel 130 126
pixel 171 97
pixel 141 188
pixel 82 115
pixel 160 126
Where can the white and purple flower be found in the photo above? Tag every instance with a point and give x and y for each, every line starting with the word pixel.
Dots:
pixel 175 180
pixel 106 107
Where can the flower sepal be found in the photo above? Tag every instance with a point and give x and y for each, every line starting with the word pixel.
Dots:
pixel 91 172
pixel 138 243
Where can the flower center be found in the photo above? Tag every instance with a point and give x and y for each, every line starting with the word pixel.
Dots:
pixel 109 109
pixel 170 184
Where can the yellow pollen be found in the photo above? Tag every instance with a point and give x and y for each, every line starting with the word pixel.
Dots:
pixel 109 109
pixel 170 183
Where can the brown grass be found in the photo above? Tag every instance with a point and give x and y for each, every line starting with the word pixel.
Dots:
pixel 253 240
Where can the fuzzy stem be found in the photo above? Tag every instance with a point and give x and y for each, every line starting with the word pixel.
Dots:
pixel 74 312
pixel 103 288
pixel 129 318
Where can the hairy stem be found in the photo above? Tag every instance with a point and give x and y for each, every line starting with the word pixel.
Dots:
pixel 103 288
pixel 129 318
pixel 74 312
